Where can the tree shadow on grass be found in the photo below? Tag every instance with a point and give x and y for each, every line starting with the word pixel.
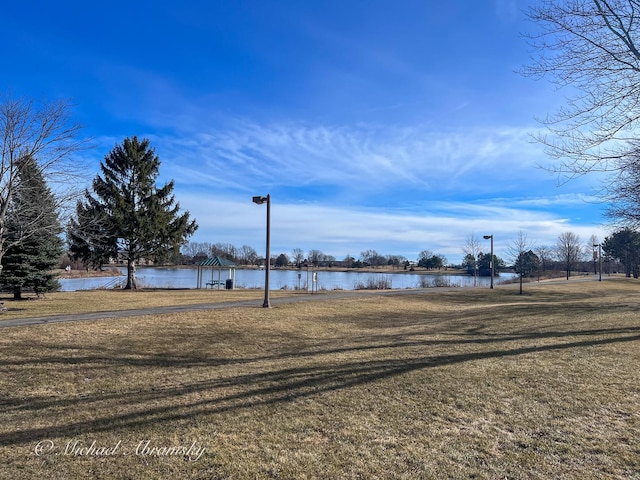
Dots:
pixel 278 381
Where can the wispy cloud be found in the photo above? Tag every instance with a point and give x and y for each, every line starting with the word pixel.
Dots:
pixel 562 200
pixel 351 157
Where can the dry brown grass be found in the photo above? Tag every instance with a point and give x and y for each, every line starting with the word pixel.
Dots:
pixel 69 303
pixel 463 384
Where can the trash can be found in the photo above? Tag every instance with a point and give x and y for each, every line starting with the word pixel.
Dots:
pixel 229 284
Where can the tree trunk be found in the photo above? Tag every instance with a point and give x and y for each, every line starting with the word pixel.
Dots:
pixel 132 283
pixel 17 293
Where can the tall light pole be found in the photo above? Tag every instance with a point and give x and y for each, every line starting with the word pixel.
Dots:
pixel 487 237
pixel 259 200
pixel 599 245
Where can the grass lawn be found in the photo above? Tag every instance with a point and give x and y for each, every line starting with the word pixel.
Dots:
pixel 63 303
pixel 446 384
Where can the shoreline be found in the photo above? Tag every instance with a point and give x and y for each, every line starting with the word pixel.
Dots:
pixel 115 270
pixel 107 272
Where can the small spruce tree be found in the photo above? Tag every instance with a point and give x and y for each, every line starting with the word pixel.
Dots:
pixel 32 232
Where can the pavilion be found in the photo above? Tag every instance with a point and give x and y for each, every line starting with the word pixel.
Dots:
pixel 217 264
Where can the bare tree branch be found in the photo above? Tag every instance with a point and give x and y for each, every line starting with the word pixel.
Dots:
pixel 45 133
pixel 590 48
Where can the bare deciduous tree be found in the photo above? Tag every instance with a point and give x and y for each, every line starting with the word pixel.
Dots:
pixel 396 260
pixel 196 249
pixel 569 250
pixel 545 255
pixel 623 192
pixel 297 255
pixel 248 255
pixel 472 253
pixel 373 258
pixel 45 133
pixel 225 250
pixel 315 257
pixel 522 256
pixel 591 46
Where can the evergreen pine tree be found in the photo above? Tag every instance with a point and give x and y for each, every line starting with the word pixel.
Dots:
pixel 32 230
pixel 129 217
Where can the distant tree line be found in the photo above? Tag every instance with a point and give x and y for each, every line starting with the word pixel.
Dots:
pixel 194 252
pixel 618 253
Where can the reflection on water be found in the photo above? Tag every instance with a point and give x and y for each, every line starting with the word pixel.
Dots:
pixel 171 277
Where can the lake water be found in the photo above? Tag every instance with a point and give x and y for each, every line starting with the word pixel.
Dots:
pixel 169 277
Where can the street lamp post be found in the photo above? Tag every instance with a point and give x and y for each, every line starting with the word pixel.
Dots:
pixel 487 237
pixel 259 200
pixel 599 245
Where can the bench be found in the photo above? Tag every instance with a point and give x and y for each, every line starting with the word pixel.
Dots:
pixel 215 283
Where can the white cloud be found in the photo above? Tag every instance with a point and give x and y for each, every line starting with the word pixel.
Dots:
pixel 556 200
pixel 356 157
pixel 347 230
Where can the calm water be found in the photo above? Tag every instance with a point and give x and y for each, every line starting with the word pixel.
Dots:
pixel 160 277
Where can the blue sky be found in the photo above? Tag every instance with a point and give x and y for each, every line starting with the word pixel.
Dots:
pixel 396 126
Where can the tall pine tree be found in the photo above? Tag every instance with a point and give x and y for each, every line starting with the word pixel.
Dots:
pixel 129 217
pixel 32 233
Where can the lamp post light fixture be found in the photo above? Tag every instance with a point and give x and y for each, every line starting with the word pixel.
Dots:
pixel 487 237
pixel 259 200
pixel 599 245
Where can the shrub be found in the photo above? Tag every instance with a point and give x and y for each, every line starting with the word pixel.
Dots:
pixel 436 281
pixel 374 283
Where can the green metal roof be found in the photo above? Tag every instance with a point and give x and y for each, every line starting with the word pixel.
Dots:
pixel 216 262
